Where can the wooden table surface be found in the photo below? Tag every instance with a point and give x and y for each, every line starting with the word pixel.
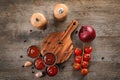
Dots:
pixel 17 34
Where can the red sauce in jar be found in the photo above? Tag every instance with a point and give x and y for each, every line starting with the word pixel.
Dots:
pixel 39 64
pixel 49 58
pixel 33 51
pixel 52 70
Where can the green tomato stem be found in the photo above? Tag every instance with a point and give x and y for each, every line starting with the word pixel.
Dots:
pixel 83 51
pixel 83 44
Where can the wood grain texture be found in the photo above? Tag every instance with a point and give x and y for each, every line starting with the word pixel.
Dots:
pixel 60 43
pixel 17 34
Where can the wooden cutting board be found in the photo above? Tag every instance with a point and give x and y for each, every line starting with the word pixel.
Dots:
pixel 60 43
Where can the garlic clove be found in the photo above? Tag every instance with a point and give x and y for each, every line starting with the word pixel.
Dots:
pixel 39 74
pixel 28 64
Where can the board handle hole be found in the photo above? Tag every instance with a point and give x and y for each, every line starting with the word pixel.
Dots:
pixel 74 23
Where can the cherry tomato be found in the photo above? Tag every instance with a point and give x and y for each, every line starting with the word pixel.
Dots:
pixel 77 51
pixel 87 57
pixel 52 70
pixel 85 64
pixel 39 64
pixel 33 51
pixel 84 71
pixel 78 59
pixel 88 49
pixel 76 66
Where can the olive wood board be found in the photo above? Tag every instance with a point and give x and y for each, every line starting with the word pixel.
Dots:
pixel 60 43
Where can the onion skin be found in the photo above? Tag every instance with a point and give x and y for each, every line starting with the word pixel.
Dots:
pixel 87 34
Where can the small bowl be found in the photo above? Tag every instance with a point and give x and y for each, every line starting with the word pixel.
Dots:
pixel 56 67
pixel 52 56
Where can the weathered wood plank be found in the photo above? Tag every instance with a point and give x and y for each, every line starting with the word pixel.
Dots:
pixel 15 29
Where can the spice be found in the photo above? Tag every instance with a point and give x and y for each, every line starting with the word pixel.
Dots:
pixel 25 40
pixel 21 56
pixel 102 58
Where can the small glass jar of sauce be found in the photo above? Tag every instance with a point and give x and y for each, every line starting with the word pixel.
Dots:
pixel 49 59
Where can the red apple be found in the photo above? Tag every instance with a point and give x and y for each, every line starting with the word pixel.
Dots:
pixel 87 34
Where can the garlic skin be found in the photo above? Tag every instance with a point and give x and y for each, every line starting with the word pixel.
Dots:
pixel 28 64
pixel 39 74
